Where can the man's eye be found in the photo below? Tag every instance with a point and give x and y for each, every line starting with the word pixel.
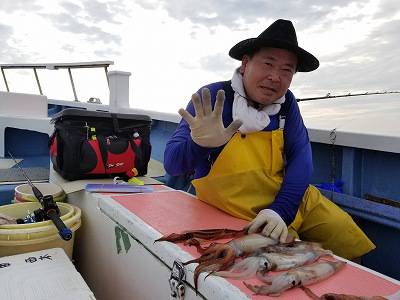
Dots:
pixel 288 71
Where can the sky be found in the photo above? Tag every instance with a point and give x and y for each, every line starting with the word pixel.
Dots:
pixel 174 47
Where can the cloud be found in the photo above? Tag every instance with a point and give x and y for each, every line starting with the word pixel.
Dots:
pixel 104 11
pixel 76 27
pixel 5 32
pixel 68 48
pixel 83 19
pixel 235 13
pixel 358 62
pixel 9 52
pixel 71 8
pixel 369 65
pixel 69 23
pixel 220 64
pixel 356 42
pixel 11 6
pixel 148 4
pixel 342 68
pixel 106 52
pixel 388 8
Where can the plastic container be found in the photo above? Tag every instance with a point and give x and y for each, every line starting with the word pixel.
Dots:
pixel 22 238
pixel 23 192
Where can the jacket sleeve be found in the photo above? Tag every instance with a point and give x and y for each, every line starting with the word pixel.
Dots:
pixel 298 168
pixel 182 155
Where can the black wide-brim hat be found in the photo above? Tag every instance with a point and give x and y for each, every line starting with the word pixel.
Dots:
pixel 280 34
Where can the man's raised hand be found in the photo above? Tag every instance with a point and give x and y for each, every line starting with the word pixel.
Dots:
pixel 207 128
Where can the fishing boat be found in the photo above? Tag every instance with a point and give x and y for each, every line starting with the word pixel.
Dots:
pixel 356 154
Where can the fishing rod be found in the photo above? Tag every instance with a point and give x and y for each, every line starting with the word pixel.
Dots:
pixel 329 96
pixel 50 210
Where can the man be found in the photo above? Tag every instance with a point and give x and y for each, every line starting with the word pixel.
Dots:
pixel 251 155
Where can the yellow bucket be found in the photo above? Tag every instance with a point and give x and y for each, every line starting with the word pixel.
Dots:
pixel 22 238
pixel 23 192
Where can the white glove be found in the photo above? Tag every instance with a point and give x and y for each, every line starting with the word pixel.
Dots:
pixel 207 128
pixel 275 227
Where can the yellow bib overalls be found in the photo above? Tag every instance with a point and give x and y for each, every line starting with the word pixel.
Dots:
pixel 248 174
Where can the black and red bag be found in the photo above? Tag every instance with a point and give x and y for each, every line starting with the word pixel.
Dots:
pixel 92 144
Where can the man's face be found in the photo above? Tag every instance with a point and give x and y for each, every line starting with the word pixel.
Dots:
pixel 268 74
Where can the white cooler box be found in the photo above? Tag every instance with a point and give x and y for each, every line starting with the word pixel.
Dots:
pixel 45 275
pixel 119 260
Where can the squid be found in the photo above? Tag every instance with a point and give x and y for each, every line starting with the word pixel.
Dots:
pixel 220 256
pixel 246 268
pixel 332 296
pixel 264 262
pixel 276 285
pixel 294 247
pixel 205 234
pixel 283 261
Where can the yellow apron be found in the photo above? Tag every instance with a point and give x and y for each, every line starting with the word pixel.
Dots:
pixel 248 174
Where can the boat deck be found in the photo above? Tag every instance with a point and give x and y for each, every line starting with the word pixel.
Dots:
pixel 367 166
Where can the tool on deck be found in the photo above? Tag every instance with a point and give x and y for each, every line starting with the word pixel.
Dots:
pixel 50 210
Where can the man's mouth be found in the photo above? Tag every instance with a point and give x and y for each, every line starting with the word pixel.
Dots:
pixel 268 89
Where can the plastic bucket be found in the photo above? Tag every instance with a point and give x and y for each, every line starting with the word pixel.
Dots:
pixel 23 192
pixel 22 238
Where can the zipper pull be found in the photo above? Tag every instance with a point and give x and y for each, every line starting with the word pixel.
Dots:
pixel 282 120
pixel 87 130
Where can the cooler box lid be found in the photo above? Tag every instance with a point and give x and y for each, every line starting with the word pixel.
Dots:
pixel 148 216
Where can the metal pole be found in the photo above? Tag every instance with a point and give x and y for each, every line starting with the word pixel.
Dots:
pixel 5 80
pixel 37 81
pixel 72 83
pixel 108 82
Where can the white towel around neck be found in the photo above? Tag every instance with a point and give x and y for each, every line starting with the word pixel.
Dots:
pixel 253 120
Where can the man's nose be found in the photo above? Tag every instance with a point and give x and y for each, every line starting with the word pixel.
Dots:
pixel 274 75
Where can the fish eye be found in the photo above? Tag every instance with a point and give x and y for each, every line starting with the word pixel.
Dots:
pixel 266 264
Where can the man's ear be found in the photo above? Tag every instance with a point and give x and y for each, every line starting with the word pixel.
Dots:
pixel 245 60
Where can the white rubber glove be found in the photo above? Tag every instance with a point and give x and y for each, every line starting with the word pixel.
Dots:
pixel 207 128
pixel 275 227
